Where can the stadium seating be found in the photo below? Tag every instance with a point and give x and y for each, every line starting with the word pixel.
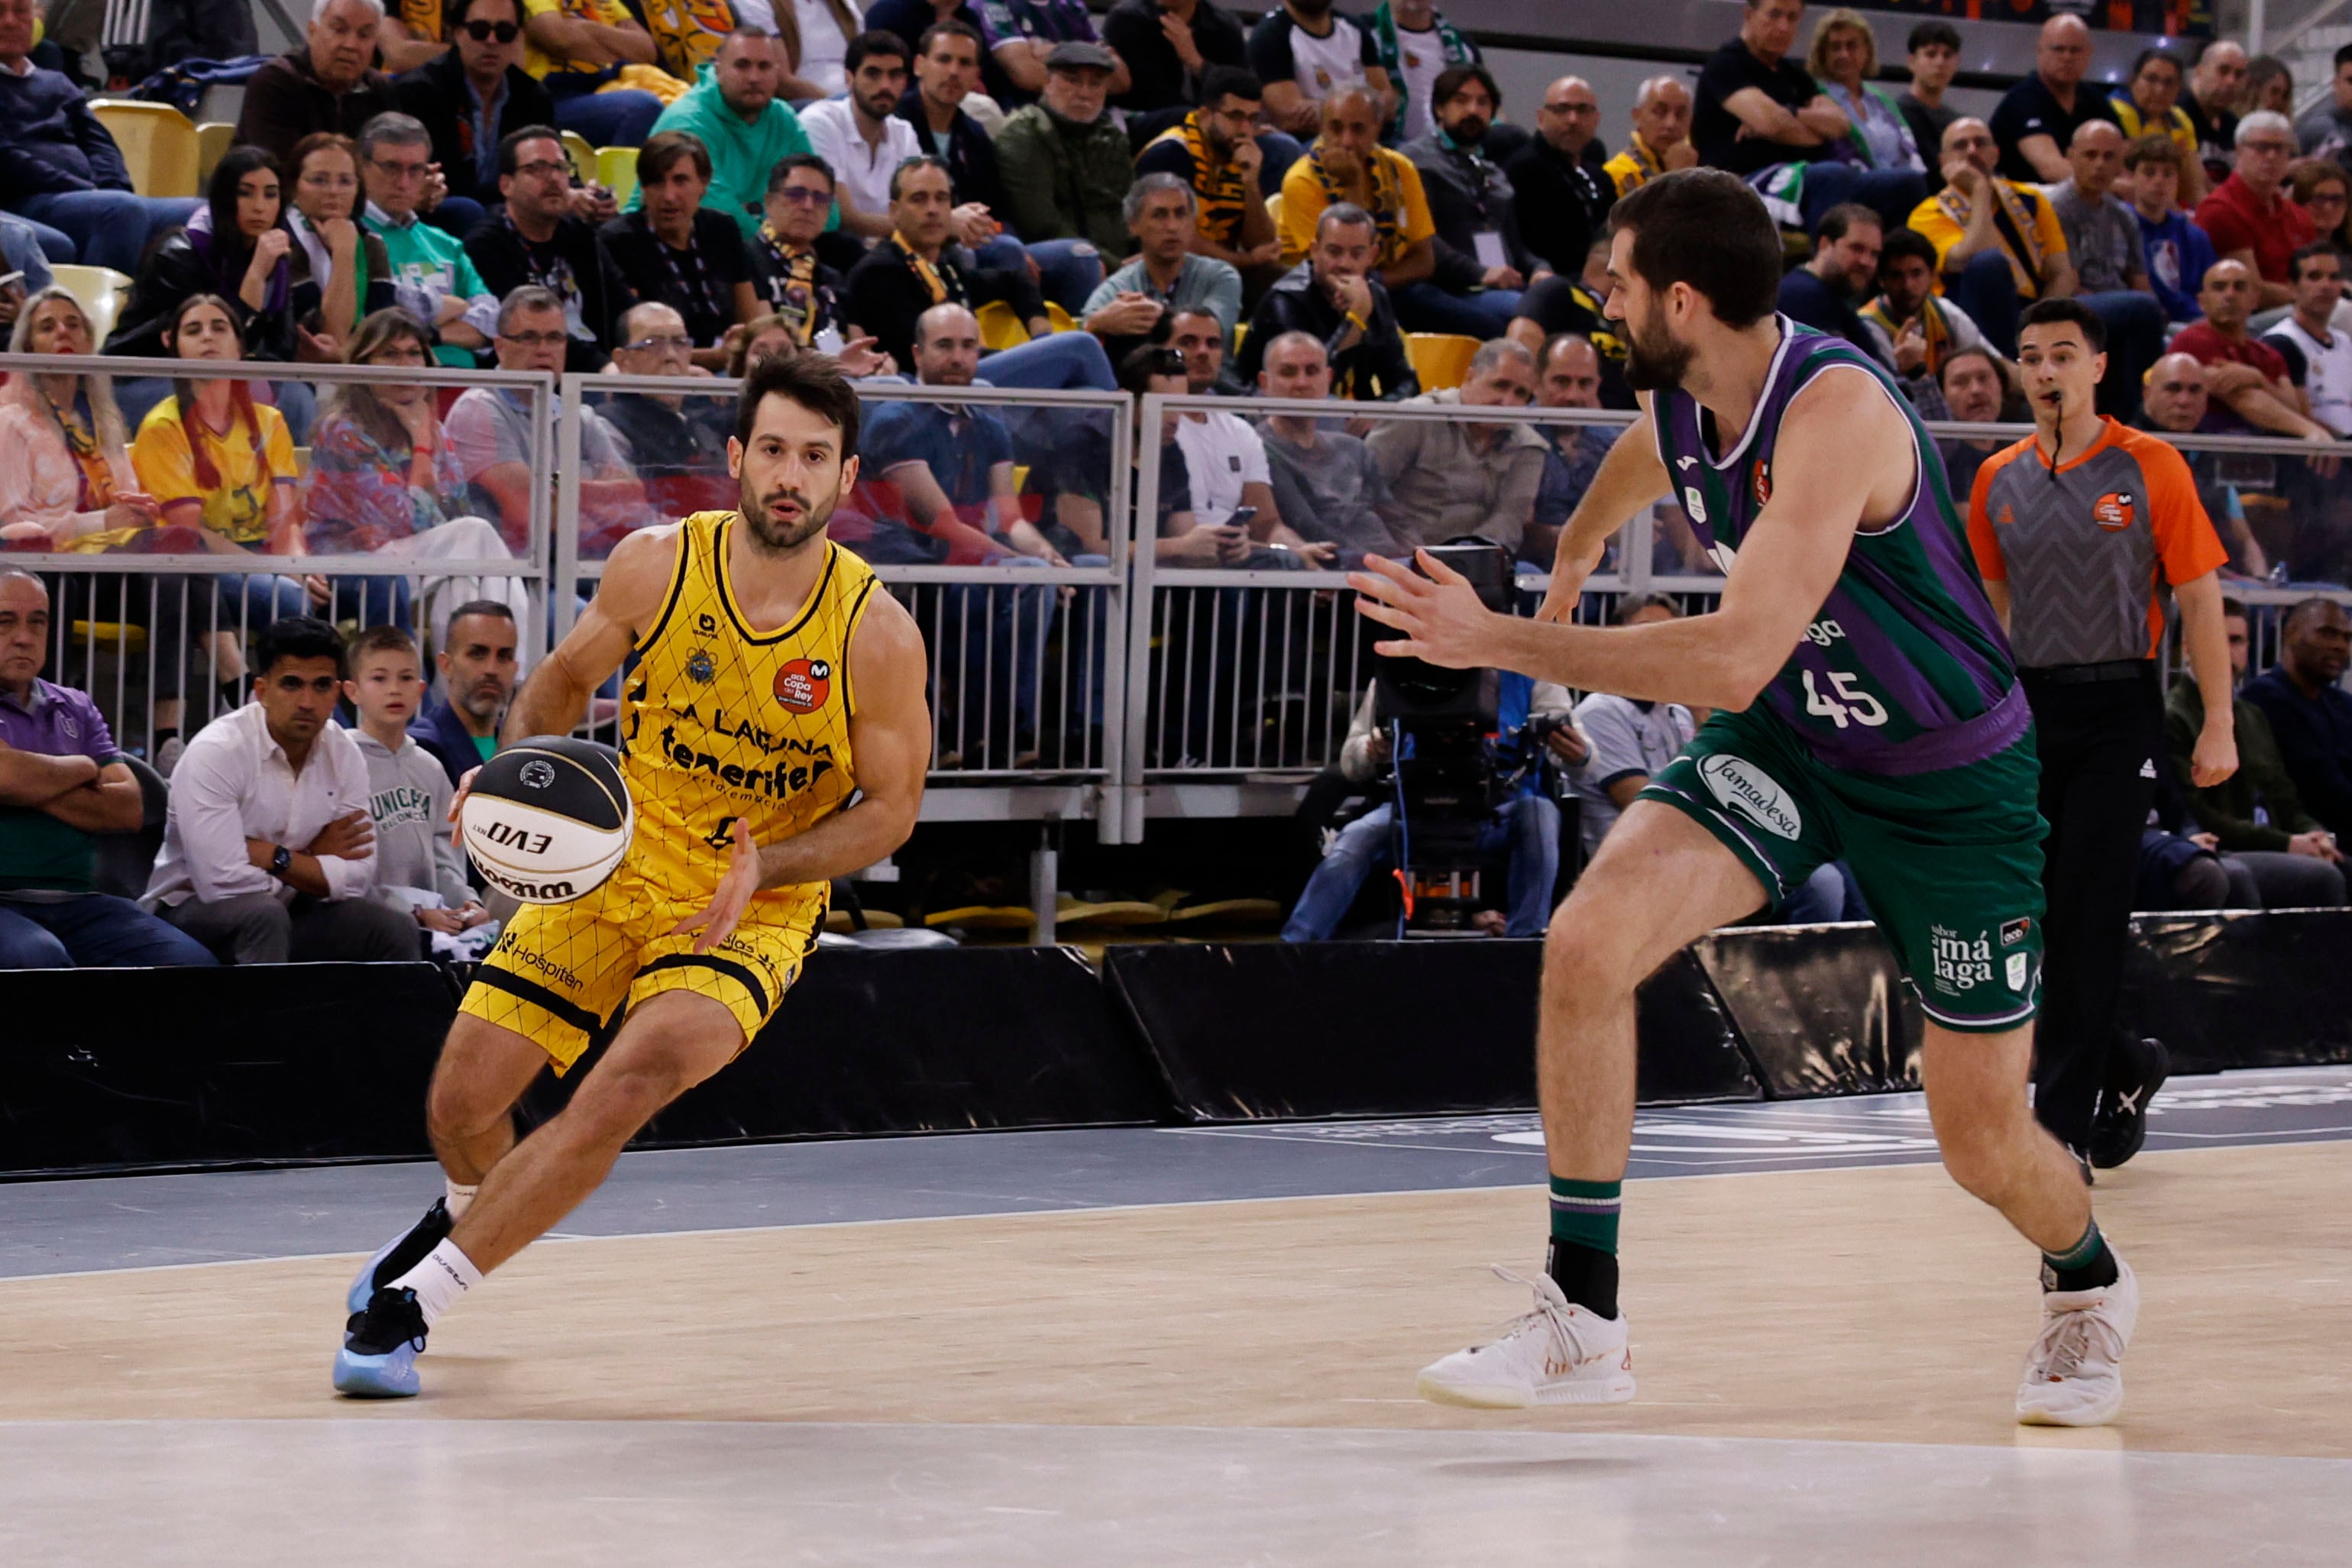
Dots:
pixel 214 138
pixel 616 171
pixel 159 144
pixel 583 155
pixel 100 291
pixel 1440 359
pixel 999 327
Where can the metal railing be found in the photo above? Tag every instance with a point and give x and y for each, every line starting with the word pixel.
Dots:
pixel 1118 686
pixel 144 628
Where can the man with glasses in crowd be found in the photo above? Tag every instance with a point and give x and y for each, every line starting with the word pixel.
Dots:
pixel 1215 150
pixel 433 279
pixel 786 270
pixel 1562 201
pixel 469 99
pixel 533 240
pixel 675 444
pixel 2249 219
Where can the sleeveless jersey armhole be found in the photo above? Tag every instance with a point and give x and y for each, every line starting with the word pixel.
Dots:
pixel 1829 362
pixel 678 570
pixel 848 642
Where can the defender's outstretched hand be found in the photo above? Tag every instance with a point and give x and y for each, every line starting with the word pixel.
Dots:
pixel 716 920
pixel 1441 615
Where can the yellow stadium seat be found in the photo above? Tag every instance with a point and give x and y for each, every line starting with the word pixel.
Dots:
pixel 159 145
pixel 100 291
pixel 616 171
pixel 582 156
pixel 1062 319
pixel 1000 327
pixel 1020 477
pixel 1273 209
pixel 214 137
pixel 1440 359
pixel 113 637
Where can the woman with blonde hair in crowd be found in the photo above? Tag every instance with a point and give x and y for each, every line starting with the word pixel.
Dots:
pixel 66 482
pixel 384 479
pixel 1843 58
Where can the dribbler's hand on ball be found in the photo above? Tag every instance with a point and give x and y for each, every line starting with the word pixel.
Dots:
pixel 456 827
pixel 1440 614
pixel 716 920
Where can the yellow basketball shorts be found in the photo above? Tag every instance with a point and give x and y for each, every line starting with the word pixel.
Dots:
pixel 561 971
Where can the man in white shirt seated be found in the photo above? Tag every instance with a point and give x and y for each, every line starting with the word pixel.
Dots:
pixel 1225 457
pixel 861 137
pixel 2318 358
pixel 269 853
pixel 1628 740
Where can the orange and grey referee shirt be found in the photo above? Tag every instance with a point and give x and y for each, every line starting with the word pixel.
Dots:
pixel 2088 551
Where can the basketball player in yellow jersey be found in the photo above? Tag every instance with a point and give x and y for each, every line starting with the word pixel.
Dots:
pixel 775 682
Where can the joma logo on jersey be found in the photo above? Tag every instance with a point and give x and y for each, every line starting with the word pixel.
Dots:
pixel 784 778
pixel 2113 511
pixel 1962 963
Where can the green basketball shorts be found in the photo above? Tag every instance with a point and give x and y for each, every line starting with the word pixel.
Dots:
pixel 1949 861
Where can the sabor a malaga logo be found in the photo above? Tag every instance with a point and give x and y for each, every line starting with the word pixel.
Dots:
pixel 1963 963
pixel 1748 791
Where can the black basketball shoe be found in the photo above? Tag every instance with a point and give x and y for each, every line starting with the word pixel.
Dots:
pixel 378 1360
pixel 398 1256
pixel 2135 1073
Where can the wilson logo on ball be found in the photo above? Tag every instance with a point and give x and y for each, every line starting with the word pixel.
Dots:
pixel 803 685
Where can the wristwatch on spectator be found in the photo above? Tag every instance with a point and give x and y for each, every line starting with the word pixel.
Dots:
pixel 281 860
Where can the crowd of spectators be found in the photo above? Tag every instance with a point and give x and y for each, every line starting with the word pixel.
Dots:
pixel 1022 194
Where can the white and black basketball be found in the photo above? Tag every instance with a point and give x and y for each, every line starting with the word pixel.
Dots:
pixel 549 819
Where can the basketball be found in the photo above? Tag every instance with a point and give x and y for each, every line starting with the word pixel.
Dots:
pixel 549 819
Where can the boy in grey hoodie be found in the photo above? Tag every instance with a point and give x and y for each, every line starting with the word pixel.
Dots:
pixel 417 868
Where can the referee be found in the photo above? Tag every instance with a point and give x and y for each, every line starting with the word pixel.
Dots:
pixel 2079 531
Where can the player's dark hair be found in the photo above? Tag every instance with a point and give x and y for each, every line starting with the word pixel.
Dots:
pixel 1230 81
pixel 783 172
pixel 811 380
pixel 1839 221
pixel 950 28
pixel 296 637
pixel 2306 611
pixel 1450 79
pixel 1907 242
pixel 385 639
pixel 1931 35
pixel 874 41
pixel 908 166
pixel 2236 607
pixel 2343 56
pixel 2155 147
pixel 2050 312
pixel 665 150
pixel 497 610
pixel 1706 228
pixel 513 140
pixel 2305 253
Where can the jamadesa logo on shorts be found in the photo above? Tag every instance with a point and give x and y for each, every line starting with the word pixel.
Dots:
pixel 2113 511
pixel 1746 790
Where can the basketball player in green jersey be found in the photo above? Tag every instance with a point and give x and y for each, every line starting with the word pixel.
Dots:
pixel 1865 709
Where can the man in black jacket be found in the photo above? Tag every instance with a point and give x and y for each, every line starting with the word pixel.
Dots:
pixel 1333 298
pixel 533 239
pixel 470 99
pixel 328 84
pixel 911 271
pixel 1563 203
pixel 1480 253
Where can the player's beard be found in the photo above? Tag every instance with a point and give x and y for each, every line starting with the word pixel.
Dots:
pixel 1654 361
pixel 778 536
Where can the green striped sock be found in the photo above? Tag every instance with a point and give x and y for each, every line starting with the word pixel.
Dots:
pixel 2086 1266
pixel 1585 1212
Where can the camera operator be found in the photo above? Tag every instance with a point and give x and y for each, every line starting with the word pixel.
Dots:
pixel 1526 823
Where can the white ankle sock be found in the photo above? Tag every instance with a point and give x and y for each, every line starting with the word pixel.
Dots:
pixel 459 1198
pixel 445 1275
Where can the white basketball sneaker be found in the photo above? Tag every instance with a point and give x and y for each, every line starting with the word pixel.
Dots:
pixel 1556 1354
pixel 2074 1373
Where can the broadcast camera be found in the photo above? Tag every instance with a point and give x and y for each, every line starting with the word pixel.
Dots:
pixel 1450 772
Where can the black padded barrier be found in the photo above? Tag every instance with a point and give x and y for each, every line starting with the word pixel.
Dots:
pixel 2250 989
pixel 1277 1030
pixel 1821 1008
pixel 946 1040
pixel 166 1067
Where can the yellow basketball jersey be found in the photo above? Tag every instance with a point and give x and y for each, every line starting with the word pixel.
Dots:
pixel 723 721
